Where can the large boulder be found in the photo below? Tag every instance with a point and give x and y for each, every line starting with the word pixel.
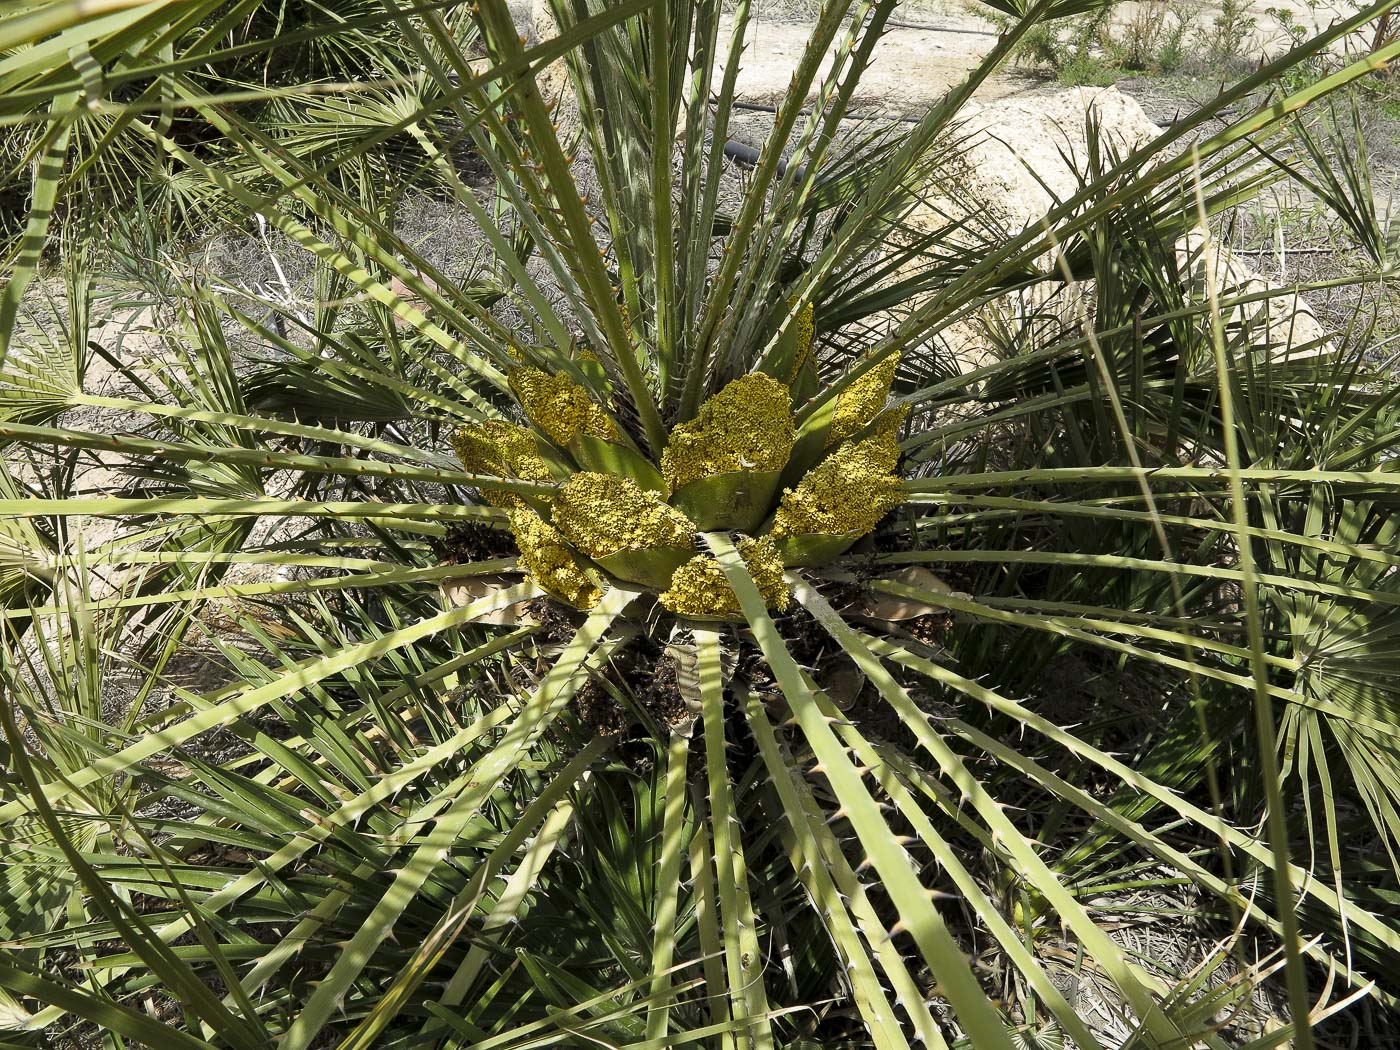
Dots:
pixel 1017 158
pixel 1019 155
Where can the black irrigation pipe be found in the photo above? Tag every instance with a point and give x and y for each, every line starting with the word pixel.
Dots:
pixel 942 29
pixel 742 153
pixel 922 26
pixel 1290 251
pixel 759 107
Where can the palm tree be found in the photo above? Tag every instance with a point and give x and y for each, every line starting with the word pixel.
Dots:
pixel 651 635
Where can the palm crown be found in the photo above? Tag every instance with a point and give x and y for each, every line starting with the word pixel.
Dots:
pixel 608 696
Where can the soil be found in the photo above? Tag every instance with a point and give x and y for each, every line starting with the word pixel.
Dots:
pixel 911 71
pixel 916 63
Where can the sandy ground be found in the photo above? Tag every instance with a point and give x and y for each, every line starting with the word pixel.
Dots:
pixel 914 67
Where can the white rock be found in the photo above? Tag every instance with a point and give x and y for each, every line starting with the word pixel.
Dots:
pixel 1024 153
pixel 1022 156
pixel 1284 321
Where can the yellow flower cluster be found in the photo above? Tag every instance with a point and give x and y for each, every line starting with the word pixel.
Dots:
pixel 849 491
pixel 700 588
pixel 559 406
pixel 884 437
pixel 501 450
pixel 746 426
pixel 805 335
pixel 602 514
pixel 550 562
pixel 858 404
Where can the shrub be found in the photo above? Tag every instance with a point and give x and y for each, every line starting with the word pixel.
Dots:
pixel 967 665
pixel 1157 37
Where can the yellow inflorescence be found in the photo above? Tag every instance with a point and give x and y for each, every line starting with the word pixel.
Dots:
pixel 883 440
pixel 700 588
pixel 559 406
pixel 501 450
pixel 602 514
pixel 746 426
pixel 548 559
pixel 849 491
pixel 858 404
pixel 806 335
